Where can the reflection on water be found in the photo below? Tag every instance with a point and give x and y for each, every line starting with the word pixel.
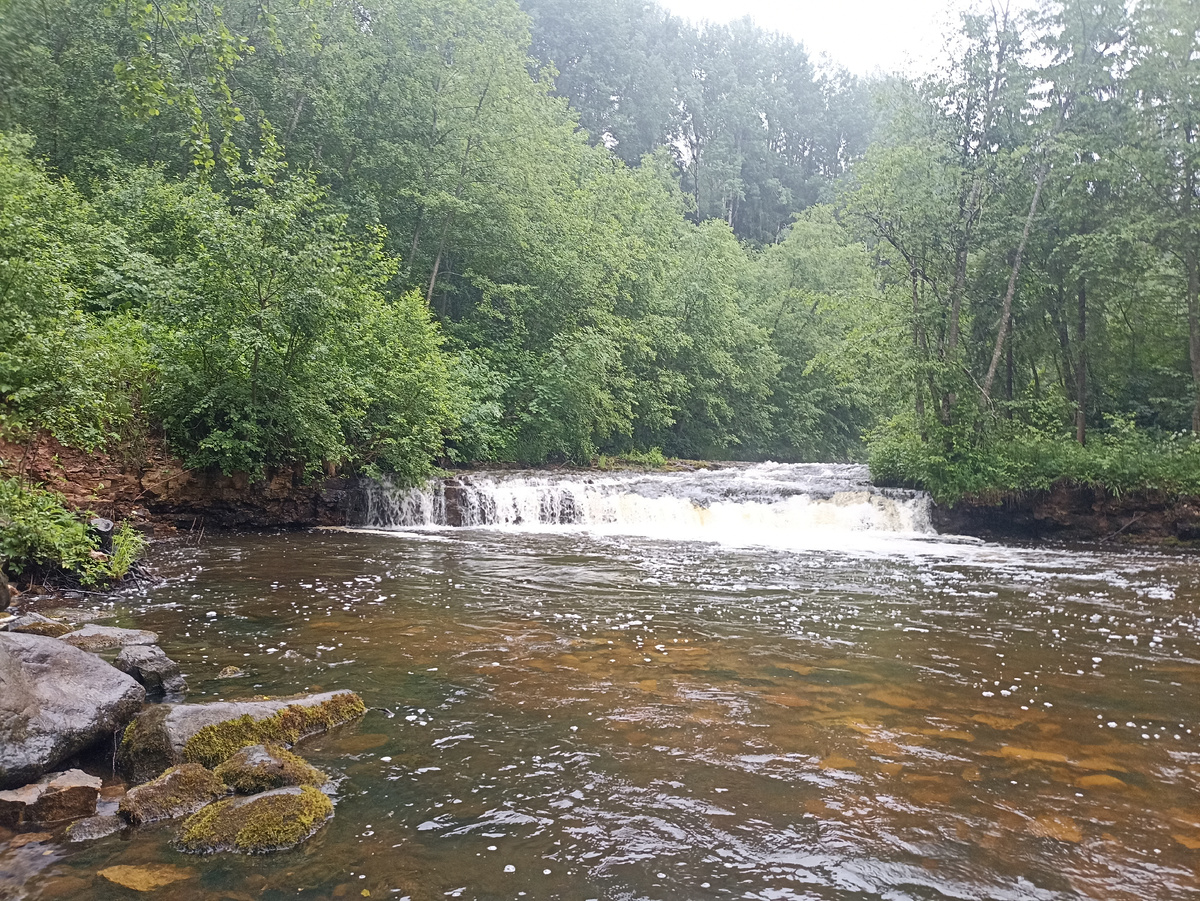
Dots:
pixel 579 716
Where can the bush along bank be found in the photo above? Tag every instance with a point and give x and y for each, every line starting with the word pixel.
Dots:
pixel 1125 484
pixel 44 542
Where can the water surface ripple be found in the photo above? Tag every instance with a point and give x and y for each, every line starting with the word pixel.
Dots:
pixel 572 714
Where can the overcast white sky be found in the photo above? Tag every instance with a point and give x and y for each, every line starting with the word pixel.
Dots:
pixel 862 35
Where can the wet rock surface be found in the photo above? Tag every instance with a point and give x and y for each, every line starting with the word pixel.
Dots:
pixel 180 791
pixel 93 828
pixel 95 638
pixel 166 735
pixel 259 768
pixel 52 799
pixel 56 701
pixel 150 666
pixel 272 821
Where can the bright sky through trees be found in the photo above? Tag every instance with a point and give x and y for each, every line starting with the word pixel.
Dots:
pixel 860 34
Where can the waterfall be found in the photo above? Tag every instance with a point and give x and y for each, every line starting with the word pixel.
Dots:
pixel 760 503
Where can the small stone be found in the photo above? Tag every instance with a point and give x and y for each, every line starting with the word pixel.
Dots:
pixel 95 638
pixel 260 768
pixel 149 878
pixel 272 821
pixel 36 624
pixel 94 827
pixel 180 791
pixel 152 668
pixel 53 798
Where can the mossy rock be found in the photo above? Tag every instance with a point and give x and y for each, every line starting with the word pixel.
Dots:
pixel 271 821
pixel 178 792
pixel 215 744
pixel 208 734
pixel 259 768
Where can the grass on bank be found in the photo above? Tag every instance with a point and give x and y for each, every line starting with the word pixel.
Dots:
pixel 954 464
pixel 38 533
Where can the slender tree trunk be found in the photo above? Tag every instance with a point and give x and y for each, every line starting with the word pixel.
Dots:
pixel 1081 369
pixel 1008 378
pixel 919 401
pixel 1006 307
pixel 1192 262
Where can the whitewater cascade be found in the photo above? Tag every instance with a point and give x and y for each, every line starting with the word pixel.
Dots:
pixel 767 503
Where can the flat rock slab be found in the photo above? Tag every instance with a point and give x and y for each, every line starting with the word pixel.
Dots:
pixel 104 638
pixel 56 701
pixel 152 667
pixel 52 799
pixel 36 624
pixel 158 738
pixel 148 878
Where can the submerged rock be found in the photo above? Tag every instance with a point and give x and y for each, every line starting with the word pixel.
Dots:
pixel 94 827
pixel 179 791
pixel 259 768
pixel 272 821
pixel 153 668
pixel 55 701
pixel 36 624
pixel 147 878
pixel 53 798
pixel 208 734
pixel 104 638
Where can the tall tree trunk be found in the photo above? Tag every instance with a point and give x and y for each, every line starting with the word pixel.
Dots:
pixel 1192 262
pixel 1081 369
pixel 1006 307
pixel 919 401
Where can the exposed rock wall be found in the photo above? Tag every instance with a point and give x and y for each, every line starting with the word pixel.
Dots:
pixel 156 488
pixel 1075 513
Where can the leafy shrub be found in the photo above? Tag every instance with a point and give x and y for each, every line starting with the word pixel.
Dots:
pixel 954 463
pixel 38 531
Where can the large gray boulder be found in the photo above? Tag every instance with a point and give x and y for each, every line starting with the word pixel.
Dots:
pixel 166 735
pixel 56 701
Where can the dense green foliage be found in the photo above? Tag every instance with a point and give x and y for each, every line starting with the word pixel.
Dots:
pixel 379 235
pixel 38 532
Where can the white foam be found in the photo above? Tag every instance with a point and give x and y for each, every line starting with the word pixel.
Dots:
pixel 776 505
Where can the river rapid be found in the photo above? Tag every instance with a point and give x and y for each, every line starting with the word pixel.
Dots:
pixel 768 682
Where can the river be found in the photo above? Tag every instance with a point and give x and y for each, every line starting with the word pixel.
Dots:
pixel 766 682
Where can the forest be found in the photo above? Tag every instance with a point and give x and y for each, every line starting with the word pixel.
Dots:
pixel 387 236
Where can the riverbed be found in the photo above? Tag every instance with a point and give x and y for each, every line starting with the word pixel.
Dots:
pixel 588 710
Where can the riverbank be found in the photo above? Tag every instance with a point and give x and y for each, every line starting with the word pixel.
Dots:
pixel 153 490
pixel 1071 512
pixel 156 492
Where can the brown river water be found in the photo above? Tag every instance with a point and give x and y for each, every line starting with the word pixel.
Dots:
pixel 590 709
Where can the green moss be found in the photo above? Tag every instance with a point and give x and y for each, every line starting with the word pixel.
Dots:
pixel 269 822
pixel 145 750
pixel 49 630
pixel 177 792
pixel 259 768
pixel 215 744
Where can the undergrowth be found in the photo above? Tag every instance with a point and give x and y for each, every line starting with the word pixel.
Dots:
pixel 39 532
pixel 953 464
